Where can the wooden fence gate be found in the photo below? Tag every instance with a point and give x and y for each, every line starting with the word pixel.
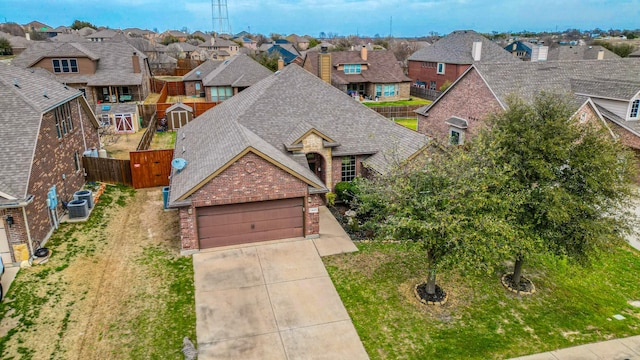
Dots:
pixel 112 171
pixel 150 168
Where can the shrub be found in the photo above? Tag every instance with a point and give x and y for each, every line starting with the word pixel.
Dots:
pixel 331 198
pixel 346 190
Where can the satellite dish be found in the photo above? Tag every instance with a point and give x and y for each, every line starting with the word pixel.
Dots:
pixel 178 163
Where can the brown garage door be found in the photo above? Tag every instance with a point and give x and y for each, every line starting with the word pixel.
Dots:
pixel 246 223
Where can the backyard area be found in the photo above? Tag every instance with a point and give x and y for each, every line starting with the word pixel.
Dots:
pixel 115 287
pixel 410 102
pixel 125 143
pixel 573 305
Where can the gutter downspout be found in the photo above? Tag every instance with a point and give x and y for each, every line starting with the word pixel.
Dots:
pixel 84 139
pixel 26 223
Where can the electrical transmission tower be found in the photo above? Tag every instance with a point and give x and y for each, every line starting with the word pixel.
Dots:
pixel 220 16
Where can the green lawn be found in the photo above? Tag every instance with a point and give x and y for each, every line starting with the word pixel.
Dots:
pixel 412 101
pixel 411 123
pixel 481 320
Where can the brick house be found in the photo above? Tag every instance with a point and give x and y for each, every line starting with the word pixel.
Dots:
pixel 106 72
pixel 219 80
pixel 47 126
pixel 373 74
pixel 448 58
pixel 258 164
pixel 605 89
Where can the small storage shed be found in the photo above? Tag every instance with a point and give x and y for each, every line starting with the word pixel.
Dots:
pixel 178 115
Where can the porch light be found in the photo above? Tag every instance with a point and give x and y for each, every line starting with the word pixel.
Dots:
pixel 9 220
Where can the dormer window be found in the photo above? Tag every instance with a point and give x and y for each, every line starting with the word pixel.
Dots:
pixel 352 68
pixel 65 66
pixel 634 109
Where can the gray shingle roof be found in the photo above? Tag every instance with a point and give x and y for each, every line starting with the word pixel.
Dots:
pixel 455 48
pixel 579 53
pixel 382 67
pixel 267 114
pixel 528 78
pixel 113 58
pixel 614 89
pixel 22 108
pixel 238 71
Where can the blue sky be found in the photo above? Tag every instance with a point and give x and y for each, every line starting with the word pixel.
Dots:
pixel 343 17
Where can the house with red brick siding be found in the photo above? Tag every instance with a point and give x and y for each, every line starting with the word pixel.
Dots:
pixel 448 58
pixel 258 164
pixel 46 128
pixel 372 74
pixel 219 80
pixel 604 89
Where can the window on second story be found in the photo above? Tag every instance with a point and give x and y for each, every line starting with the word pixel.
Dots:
pixel 440 69
pixel 61 66
pixel 352 68
pixel 634 109
pixel 455 137
pixel 62 115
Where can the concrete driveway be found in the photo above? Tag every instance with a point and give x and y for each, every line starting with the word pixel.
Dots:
pixel 273 301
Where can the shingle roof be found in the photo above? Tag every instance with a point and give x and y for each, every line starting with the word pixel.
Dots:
pixel 106 33
pixel 238 71
pixel 22 108
pixel 383 67
pixel 579 53
pixel 114 66
pixel 286 55
pixel 455 48
pixel 267 113
pixel 202 70
pixel 528 78
pixel 525 79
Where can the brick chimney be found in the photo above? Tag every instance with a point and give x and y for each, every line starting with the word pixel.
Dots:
pixel 280 63
pixel 363 52
pixel 136 63
pixel 324 65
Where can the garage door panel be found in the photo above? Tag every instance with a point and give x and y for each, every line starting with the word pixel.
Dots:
pixel 249 216
pixel 250 227
pixel 243 239
pixel 250 222
pixel 244 207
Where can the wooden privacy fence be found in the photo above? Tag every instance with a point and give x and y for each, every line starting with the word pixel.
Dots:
pixel 147 137
pixel 396 111
pixel 112 171
pixel 424 93
pixel 150 168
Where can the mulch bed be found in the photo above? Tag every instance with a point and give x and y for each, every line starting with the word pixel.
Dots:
pixel 338 211
pixel 524 287
pixel 437 298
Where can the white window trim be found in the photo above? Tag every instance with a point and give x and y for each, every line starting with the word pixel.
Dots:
pixel 631 110
pixel 460 133
pixel 439 70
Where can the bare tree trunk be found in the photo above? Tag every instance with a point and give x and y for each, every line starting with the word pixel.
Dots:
pixel 431 280
pixel 517 271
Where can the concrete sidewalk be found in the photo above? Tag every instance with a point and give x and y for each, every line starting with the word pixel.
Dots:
pixel 626 348
pixel 274 300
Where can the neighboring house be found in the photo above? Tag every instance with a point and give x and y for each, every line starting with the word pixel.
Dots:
pixel 181 36
pixel 372 74
pixel 180 50
pixel 258 164
pixel 448 58
pixel 107 72
pixel 569 52
pixel 46 128
pixel 287 56
pixel 301 43
pixel 249 43
pixel 106 35
pixel 222 80
pixel 604 89
pixel 18 43
pixel 193 80
pixel 219 48
pixel 520 49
